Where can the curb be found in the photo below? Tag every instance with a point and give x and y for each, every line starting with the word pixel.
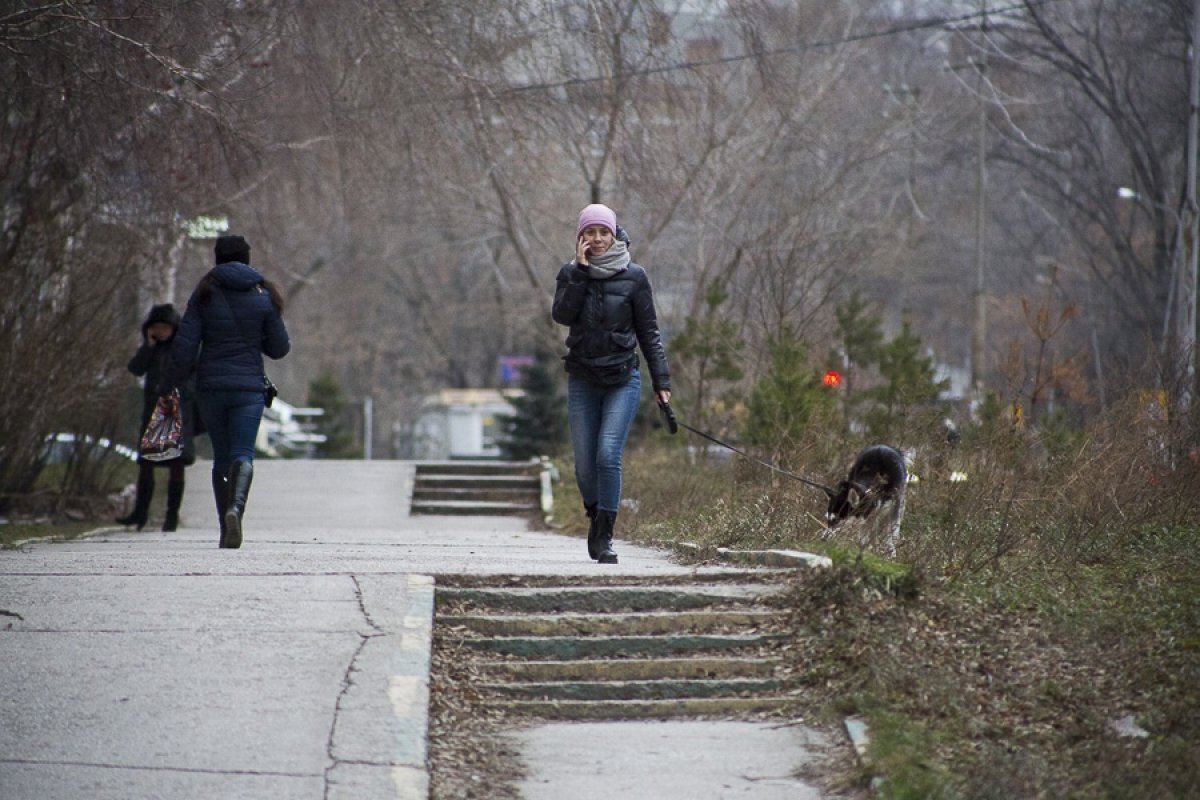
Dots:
pixel 757 558
pixel 860 739
pixel 408 690
pixel 101 531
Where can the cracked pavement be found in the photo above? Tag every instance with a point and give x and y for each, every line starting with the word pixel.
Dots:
pixel 139 665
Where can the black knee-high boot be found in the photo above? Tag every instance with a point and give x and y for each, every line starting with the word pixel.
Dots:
pixel 241 474
pixel 605 522
pixel 593 542
pixel 174 498
pixel 141 504
pixel 220 487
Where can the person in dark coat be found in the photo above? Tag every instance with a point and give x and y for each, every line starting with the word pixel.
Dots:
pixel 234 317
pixel 150 363
pixel 607 302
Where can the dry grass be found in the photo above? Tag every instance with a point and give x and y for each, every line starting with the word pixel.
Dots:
pixel 1054 592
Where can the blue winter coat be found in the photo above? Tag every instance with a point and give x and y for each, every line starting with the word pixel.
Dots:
pixel 227 354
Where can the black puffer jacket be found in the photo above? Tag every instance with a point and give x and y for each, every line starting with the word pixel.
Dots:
pixel 235 332
pixel 608 320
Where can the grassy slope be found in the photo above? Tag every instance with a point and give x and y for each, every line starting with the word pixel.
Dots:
pixel 996 664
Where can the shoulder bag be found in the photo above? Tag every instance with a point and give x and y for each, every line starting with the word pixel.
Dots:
pixel 163 438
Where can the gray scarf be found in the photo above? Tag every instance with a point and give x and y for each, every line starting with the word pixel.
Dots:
pixel 614 260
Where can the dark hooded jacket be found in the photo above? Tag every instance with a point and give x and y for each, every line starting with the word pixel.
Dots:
pixel 230 323
pixel 151 364
pixel 609 319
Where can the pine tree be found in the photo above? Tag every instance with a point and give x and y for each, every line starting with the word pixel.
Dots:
pixel 711 350
pixel 787 398
pixel 325 393
pixel 539 426
pixel 908 383
pixel 860 338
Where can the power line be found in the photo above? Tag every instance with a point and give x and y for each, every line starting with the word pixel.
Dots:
pixel 911 27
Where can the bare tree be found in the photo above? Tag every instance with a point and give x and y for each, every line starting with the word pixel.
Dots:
pixel 109 116
pixel 1088 99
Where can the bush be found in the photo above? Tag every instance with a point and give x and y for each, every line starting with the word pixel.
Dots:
pixel 539 426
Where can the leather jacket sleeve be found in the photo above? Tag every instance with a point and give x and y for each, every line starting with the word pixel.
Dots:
pixel 569 293
pixel 645 326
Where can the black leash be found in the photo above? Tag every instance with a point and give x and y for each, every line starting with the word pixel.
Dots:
pixel 673 425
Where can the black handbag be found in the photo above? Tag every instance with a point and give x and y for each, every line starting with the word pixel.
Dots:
pixel 270 392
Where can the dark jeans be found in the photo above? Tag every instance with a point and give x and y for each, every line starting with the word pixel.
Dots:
pixel 232 420
pixel 600 418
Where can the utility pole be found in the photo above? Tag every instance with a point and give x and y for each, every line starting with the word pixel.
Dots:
pixel 979 330
pixel 368 428
pixel 1186 318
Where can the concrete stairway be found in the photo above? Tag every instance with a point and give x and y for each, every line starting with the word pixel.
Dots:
pixel 477 487
pixel 625 651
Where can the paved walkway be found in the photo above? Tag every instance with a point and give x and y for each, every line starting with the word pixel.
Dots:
pixel 152 665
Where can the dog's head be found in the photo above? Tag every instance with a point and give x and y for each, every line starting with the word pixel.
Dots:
pixel 843 501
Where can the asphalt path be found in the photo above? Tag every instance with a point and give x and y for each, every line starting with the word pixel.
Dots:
pixel 155 665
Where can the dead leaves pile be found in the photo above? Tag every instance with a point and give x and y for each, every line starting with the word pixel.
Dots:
pixel 470 757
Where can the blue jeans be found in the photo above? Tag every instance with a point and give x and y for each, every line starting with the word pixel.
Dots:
pixel 232 419
pixel 600 418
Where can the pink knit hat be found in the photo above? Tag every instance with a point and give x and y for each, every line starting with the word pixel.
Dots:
pixel 597 214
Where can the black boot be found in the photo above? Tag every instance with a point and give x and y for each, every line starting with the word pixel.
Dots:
pixel 240 477
pixel 174 498
pixel 593 542
pixel 220 487
pixel 605 521
pixel 141 504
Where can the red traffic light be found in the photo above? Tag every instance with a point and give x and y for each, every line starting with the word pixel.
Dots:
pixel 832 379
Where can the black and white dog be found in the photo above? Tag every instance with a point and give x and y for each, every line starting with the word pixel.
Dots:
pixel 877 477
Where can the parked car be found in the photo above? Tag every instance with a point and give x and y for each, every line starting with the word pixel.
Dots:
pixel 60 447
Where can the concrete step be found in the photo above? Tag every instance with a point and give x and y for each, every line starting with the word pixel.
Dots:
pixel 636 624
pixel 501 494
pixel 625 649
pixel 646 709
pixel 477 488
pixel 631 669
pixel 606 598
pixel 639 690
pixel 522 482
pixel 478 468
pixel 473 508
pixel 562 647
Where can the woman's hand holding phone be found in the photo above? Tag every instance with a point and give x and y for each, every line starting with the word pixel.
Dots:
pixel 582 251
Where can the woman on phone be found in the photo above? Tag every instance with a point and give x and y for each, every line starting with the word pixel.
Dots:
pixel 150 363
pixel 607 302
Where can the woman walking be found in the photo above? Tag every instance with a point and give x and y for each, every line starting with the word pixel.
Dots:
pixel 607 301
pixel 233 318
pixel 150 363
